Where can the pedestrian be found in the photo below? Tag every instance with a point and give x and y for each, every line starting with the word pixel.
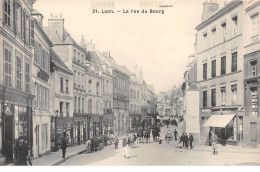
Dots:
pixel 116 141
pixel 191 140
pixel 186 139
pixel 175 134
pixel 182 140
pixel 125 144
pixel 214 141
pixel 64 145
pixel 21 152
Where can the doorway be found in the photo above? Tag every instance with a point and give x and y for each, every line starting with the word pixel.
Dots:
pixel 9 137
pixel 253 136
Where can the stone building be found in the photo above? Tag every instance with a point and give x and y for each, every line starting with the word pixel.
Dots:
pixel 16 45
pixel 61 95
pixel 251 120
pixel 220 71
pixel 41 88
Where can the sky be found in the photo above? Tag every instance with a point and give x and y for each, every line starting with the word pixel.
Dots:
pixel 159 43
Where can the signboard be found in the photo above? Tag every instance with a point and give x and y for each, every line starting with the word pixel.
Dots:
pixel 43 75
pixel 63 96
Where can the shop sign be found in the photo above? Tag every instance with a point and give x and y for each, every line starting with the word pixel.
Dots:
pixel 43 75
pixel 63 97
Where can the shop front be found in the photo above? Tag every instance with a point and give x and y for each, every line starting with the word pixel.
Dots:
pixel 135 122
pixel 95 125
pixel 108 124
pixel 15 122
pixel 225 127
pixel 63 125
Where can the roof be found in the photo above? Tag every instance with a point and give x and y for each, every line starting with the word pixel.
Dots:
pixel 227 8
pixel 58 62
pixel 36 12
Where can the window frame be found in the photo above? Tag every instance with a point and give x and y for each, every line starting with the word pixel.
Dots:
pixel 18 78
pixel 234 65
pixel 8 63
pixel 223 66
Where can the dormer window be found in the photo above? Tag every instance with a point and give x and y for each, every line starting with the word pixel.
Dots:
pixel 205 35
pixel 224 29
pixel 214 36
pixel 234 19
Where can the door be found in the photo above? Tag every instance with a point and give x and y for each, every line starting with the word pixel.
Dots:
pixel 9 137
pixel 79 133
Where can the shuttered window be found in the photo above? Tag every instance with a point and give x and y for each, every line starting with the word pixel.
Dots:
pixel 223 65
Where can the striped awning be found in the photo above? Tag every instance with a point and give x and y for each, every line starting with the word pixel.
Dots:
pixel 219 120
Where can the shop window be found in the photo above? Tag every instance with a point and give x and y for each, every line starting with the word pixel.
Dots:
pixel 234 62
pixel 213 68
pixel 205 71
pixel 8 67
pixel 223 65
pixel 223 96
pixel 254 100
pixel 22 121
pixel 234 94
pixel 213 97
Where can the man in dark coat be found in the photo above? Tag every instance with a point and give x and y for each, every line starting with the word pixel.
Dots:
pixel 183 140
pixel 175 134
pixel 21 153
pixel 186 139
pixel 191 140
pixel 64 145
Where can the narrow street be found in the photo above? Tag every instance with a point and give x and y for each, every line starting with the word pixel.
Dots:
pixel 154 154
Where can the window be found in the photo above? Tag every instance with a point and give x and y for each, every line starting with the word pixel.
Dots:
pixel 223 65
pixel 8 67
pixel 83 105
pixel 224 29
pixel 61 109
pixel 90 106
pixel 74 55
pixel 27 28
pixel 205 35
pixel 214 38
pixel 43 66
pixel 79 104
pixel 23 25
pixel 18 72
pixel 61 84
pixel 205 98
pixel 253 68
pixel 32 33
pixel 79 57
pixel 75 104
pixel 67 86
pixel 223 96
pixel 131 107
pixel 36 55
pixel 7 13
pixel 97 105
pixel 40 55
pixel 134 94
pixel 234 94
pixel 131 93
pixel 79 80
pixel 97 88
pixel 205 71
pixel 254 101
pixel 18 19
pixel 137 94
pixel 234 19
pixel 255 28
pixel 213 68
pixel 35 94
pixel 67 109
pixel 39 95
pixel 213 97
pixel 253 131
pixel 234 62
pixel 27 77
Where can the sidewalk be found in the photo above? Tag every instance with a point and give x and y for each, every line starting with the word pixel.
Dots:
pixel 55 158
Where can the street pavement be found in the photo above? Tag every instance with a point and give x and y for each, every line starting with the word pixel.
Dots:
pixel 167 154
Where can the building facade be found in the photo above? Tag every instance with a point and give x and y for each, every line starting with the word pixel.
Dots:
pixel 15 80
pixel 41 87
pixel 220 71
pixel 251 120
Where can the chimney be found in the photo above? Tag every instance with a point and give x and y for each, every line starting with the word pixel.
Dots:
pixel 38 16
pixel 209 8
pixel 82 43
pixel 56 25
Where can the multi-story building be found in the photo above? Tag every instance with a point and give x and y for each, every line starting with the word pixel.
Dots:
pixel 251 120
pixel 15 80
pixel 61 109
pixel 74 57
pixel 190 101
pixel 41 88
pixel 220 71
pixel 120 95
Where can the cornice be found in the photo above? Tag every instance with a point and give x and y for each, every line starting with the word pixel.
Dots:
pixel 220 76
pixel 252 6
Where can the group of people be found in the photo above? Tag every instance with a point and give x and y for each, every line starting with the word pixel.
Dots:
pixel 184 139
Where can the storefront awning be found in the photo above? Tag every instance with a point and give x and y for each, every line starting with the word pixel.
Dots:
pixel 219 120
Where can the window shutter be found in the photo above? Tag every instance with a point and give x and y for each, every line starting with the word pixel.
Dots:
pixel 32 33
